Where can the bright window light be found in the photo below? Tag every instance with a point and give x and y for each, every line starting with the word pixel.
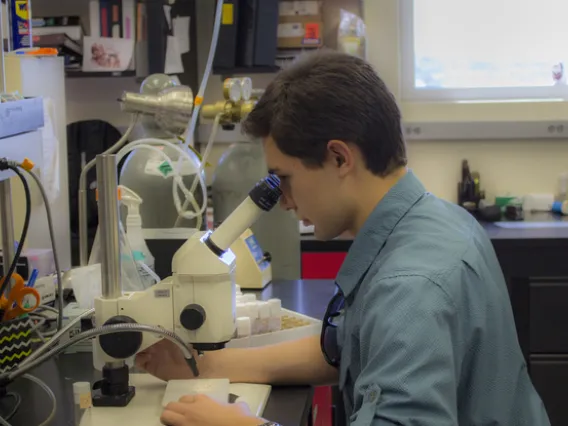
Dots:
pixel 484 49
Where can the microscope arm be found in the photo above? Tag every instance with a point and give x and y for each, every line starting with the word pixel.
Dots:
pixel 154 306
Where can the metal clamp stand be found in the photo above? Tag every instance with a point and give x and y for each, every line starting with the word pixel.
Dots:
pixel 7 226
pixel 2 67
pixel 113 390
pixel 6 217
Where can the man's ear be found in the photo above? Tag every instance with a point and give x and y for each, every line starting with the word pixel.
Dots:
pixel 341 154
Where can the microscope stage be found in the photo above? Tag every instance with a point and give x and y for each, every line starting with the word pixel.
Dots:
pixel 147 405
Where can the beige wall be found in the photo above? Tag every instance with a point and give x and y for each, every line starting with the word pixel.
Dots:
pixel 505 166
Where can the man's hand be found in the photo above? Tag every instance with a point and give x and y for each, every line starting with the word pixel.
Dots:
pixel 200 410
pixel 165 361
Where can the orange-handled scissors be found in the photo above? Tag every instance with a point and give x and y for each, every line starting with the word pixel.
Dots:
pixel 15 304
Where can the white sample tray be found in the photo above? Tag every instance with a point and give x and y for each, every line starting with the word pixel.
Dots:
pixel 306 326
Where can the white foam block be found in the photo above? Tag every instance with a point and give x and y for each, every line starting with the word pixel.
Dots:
pixel 255 396
pixel 217 389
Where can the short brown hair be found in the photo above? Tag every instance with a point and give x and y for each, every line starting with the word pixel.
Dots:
pixel 328 95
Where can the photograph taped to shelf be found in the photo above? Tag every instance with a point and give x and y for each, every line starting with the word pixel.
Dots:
pixel 107 54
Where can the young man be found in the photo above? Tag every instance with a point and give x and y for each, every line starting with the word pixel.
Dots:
pixel 425 334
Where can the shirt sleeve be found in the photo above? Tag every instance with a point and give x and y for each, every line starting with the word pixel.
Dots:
pixel 408 374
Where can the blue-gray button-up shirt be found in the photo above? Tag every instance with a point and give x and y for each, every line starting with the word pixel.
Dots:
pixel 428 337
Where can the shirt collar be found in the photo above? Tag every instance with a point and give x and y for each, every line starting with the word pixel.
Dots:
pixel 373 235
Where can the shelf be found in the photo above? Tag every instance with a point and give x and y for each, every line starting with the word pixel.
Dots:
pixel 81 74
pixel 246 70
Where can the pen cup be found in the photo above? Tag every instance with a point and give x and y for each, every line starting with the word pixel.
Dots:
pixel 16 340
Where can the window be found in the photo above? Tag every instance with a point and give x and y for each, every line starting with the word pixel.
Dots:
pixel 484 49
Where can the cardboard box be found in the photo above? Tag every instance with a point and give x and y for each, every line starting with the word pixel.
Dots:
pixel 300 24
pixel 293 35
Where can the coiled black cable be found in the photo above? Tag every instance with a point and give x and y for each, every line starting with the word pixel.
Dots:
pixel 17 403
pixel 9 165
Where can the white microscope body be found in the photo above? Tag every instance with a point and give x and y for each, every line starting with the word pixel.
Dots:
pixel 200 279
pixel 198 301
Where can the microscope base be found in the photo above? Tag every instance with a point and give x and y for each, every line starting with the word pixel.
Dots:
pixel 114 389
pixel 100 400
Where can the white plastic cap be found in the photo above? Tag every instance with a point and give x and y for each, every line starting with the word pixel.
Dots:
pixel 133 221
pixel 244 328
pixel 131 200
pixel 275 307
pixel 264 310
pixel 253 309
pixel 242 310
pixel 250 297
pixel 80 389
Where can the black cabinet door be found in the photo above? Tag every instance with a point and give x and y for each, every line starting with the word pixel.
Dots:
pixel 548 316
pixel 550 378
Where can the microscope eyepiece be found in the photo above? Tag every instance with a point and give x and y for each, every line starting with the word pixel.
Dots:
pixel 262 198
pixel 266 193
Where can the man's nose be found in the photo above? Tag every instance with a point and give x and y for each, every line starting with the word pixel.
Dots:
pixel 286 203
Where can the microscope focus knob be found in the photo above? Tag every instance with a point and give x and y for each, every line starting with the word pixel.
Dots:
pixel 121 345
pixel 192 317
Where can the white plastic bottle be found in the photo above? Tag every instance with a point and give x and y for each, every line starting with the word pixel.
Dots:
pixel 83 402
pixel 254 315
pixel 275 314
pixel 145 262
pixel 264 317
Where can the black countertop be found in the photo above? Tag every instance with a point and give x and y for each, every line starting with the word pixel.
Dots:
pixel 289 406
pixel 542 226
pixel 531 231
pixel 308 297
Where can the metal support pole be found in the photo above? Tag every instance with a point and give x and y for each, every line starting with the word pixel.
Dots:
pixel 7 224
pixel 83 227
pixel 2 66
pixel 107 185
pixel 9 29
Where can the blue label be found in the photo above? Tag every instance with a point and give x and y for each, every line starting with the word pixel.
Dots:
pixel 255 249
pixel 560 207
pixel 20 24
pixel 257 253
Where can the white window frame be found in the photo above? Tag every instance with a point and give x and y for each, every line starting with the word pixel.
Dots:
pixel 407 71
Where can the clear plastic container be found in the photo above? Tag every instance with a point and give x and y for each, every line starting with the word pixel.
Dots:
pixel 129 271
pixel 145 261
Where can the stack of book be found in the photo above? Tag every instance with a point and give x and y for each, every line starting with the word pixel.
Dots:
pixel 65 33
pixel 113 18
pixel 107 42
